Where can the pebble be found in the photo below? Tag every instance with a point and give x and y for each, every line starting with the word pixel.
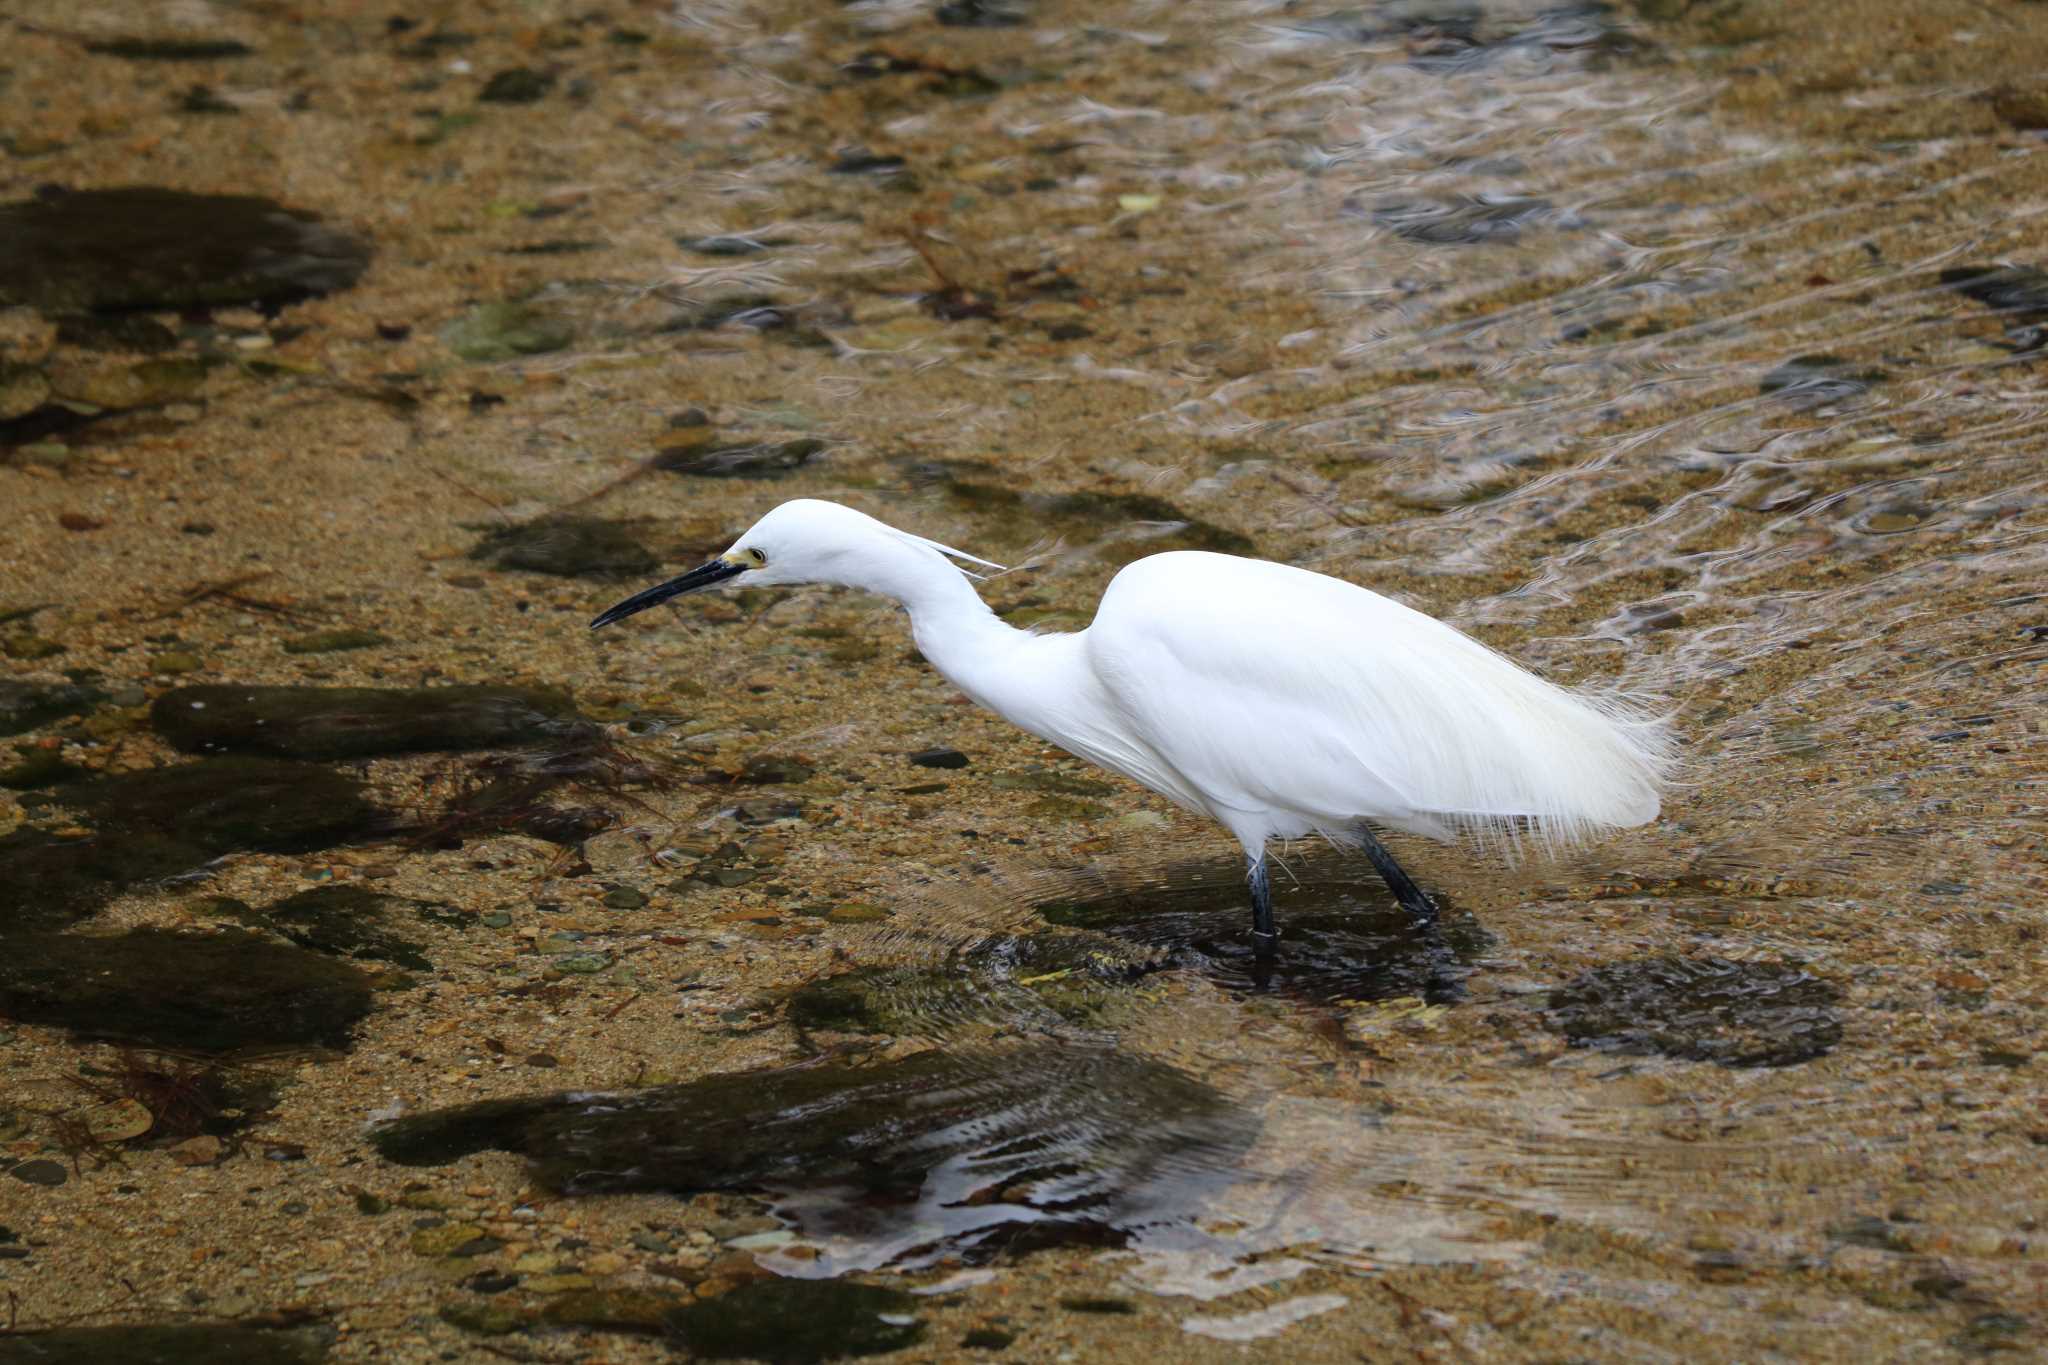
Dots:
pixel 198 1151
pixel 939 758
pixel 40 1173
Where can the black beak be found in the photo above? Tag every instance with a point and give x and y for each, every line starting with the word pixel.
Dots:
pixel 696 580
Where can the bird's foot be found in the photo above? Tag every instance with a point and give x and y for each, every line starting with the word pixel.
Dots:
pixel 1265 946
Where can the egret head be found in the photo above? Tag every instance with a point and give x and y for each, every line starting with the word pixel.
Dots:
pixel 804 541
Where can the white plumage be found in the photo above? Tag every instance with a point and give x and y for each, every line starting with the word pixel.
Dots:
pixel 1279 701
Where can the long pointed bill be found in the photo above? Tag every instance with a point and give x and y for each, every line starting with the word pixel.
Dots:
pixel 696 580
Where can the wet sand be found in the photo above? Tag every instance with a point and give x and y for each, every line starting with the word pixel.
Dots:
pixel 1492 313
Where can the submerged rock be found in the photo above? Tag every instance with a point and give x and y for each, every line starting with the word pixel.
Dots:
pixel 1700 1009
pixel 1467 221
pixel 1122 526
pixel 169 49
pixel 2018 293
pixel 355 722
pixel 506 330
pixel 573 547
pixel 345 921
pixel 939 1154
pixel 72 251
pixel 26 705
pixel 795 1322
pixel 759 460
pixel 207 992
pixel 1344 938
pixel 1813 380
pixel 334 641
pixel 197 1344
pixel 165 821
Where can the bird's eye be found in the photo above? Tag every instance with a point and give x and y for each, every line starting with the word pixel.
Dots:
pixel 755 558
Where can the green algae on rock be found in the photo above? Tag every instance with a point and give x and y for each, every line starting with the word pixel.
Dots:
pixel 109 250
pixel 1700 1009
pixel 572 547
pixel 505 330
pixel 206 992
pixel 355 722
pixel 795 1322
pixel 183 1344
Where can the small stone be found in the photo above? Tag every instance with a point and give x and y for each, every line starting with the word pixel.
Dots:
pixel 939 758
pixel 40 1173
pixel 27 646
pixel 582 964
pixel 606 1263
pixel 454 1240
pixel 333 641
pixel 517 85
pixel 544 1060
pixel 625 898
pixel 857 912
pixel 119 1121
pixel 198 1151
pixel 177 661
pixel 483 1319
pixel 505 330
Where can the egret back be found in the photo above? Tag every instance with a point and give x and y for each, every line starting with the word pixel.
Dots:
pixel 1294 701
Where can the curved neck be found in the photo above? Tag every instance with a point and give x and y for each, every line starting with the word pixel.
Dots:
pixel 953 627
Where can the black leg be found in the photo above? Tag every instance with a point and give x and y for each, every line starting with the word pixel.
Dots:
pixel 1265 939
pixel 1444 982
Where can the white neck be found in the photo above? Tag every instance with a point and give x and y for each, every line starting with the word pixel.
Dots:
pixel 971 647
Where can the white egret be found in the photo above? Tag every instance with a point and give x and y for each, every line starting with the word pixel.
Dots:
pixel 1278 701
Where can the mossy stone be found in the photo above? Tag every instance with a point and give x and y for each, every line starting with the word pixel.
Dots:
pixel 758 460
pixel 505 330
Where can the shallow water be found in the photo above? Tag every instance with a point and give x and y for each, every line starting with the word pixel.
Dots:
pixel 1655 351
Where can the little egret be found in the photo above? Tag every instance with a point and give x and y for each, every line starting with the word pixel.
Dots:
pixel 1278 701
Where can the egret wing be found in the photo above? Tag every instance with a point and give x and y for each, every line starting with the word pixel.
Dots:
pixel 1272 688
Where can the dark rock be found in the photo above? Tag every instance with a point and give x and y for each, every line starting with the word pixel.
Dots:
pixel 40 1172
pixel 978 14
pixel 37 767
pixel 1036 1144
pixel 1813 380
pixel 773 770
pixel 206 992
pixel 987 1339
pixel 1346 937
pixel 216 1344
pixel 794 1322
pixel 574 547
pixel 140 248
pixel 26 705
pixel 1703 1009
pixel 624 898
pixel 939 758
pixel 355 722
pixel 1124 526
pixel 730 245
pixel 1107 1306
pixel 1465 220
pixel 517 85
pixel 760 460
pixel 344 921
pixel 169 49
pixel 165 821
pixel 860 161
